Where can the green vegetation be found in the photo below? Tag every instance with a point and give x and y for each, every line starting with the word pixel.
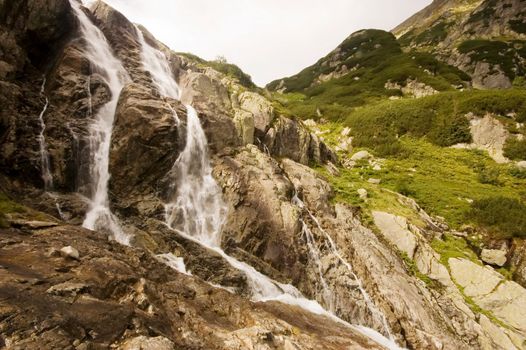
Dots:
pixel 505 54
pixel 439 118
pixel 453 247
pixel 433 35
pixel 372 58
pixel 485 14
pixel 221 65
pixel 502 216
pixel 515 149
pixel 518 25
pixel 8 207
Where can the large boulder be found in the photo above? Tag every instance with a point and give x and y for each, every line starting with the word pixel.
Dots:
pixel 290 139
pixel 261 109
pixel 146 141
pixel 205 93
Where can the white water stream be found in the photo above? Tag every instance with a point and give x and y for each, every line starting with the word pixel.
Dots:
pixel 44 154
pixel 315 253
pixel 197 211
pixel 100 55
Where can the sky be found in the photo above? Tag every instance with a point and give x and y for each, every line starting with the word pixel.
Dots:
pixel 268 39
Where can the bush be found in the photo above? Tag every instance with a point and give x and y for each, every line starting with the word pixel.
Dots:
pixel 502 216
pixel 489 176
pixel 403 187
pixel 515 149
pixel 517 173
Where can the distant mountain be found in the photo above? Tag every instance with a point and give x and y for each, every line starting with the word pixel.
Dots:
pixel 483 38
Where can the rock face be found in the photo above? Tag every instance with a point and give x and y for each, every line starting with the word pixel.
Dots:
pixel 493 256
pixel 395 229
pixel 504 299
pixel 489 135
pixel 443 26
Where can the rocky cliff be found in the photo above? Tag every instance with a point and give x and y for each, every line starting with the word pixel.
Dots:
pixel 63 286
pixel 483 38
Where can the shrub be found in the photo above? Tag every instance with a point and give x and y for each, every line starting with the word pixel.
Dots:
pixel 403 187
pixel 489 176
pixel 502 216
pixel 517 173
pixel 515 149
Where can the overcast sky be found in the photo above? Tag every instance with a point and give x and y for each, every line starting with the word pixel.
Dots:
pixel 268 39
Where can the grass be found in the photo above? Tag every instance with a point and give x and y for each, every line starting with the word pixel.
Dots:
pixel 440 118
pixel 373 58
pixel 7 206
pixel 453 247
pixel 442 180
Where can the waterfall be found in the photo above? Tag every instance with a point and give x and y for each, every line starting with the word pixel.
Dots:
pixel 100 55
pixel 44 154
pixel 196 209
pixel 378 316
pixel 157 64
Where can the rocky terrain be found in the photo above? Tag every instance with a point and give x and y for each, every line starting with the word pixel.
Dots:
pixel 384 266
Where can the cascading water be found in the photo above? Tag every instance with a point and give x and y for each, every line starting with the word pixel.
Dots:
pixel 102 60
pixel 45 169
pixel 44 154
pixel 378 316
pixel 157 64
pixel 197 211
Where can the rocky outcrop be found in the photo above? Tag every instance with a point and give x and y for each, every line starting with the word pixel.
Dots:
pixel 146 143
pixel 489 135
pixel 412 87
pixel 289 138
pixel 120 297
pixel 504 299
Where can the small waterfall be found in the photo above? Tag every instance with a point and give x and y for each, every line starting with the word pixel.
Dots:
pixel 102 60
pixel 326 295
pixel 45 168
pixel 197 207
pixel 197 211
pixel 47 177
pixel 157 64
pixel 378 316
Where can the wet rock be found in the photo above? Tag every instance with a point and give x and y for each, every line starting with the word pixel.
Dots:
pixel 145 128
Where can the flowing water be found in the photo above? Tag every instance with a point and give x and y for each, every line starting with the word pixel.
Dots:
pixel 315 253
pixel 157 64
pixel 100 55
pixel 44 154
pixel 197 211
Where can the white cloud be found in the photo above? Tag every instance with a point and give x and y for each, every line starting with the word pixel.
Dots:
pixel 268 39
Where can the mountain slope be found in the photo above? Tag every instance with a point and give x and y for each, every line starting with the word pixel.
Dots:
pixel 486 38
